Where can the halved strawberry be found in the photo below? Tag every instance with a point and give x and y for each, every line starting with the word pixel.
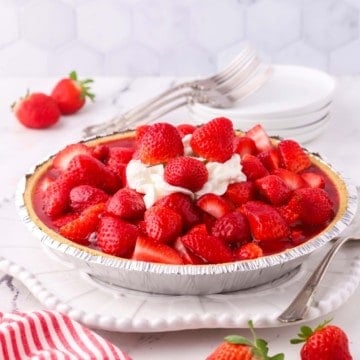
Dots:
pixel 240 193
pixel 146 249
pixel 244 145
pixel 187 255
pixel 162 223
pixel 274 189
pixel 313 180
pixel 232 228
pixel 270 158
pixel 313 205
pixel 62 159
pixel 159 143
pixel 81 228
pixel 293 156
pixel 253 168
pixel 289 212
pixel 214 205
pixel 186 172
pixel 127 204
pixel 248 251
pixel 83 196
pixel 265 222
pixel 293 180
pixel 213 141
pixel 209 248
pixel 115 236
pixel 184 206
pixel 260 137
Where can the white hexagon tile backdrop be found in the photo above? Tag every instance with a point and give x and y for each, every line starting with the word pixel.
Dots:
pixel 177 37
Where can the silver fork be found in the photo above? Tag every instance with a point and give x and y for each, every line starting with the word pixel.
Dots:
pixel 299 306
pixel 238 72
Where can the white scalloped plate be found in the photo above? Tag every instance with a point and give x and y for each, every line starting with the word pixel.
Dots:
pixel 61 287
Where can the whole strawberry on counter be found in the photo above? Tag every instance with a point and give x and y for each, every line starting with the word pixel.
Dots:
pixel 325 342
pixel 36 111
pixel 71 93
pixel 236 347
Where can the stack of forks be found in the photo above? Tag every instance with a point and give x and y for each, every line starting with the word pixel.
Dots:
pixel 242 77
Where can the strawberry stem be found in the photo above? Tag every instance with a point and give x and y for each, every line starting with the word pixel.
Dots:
pixel 84 84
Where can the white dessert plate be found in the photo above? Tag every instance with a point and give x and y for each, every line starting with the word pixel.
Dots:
pixel 290 90
pixel 62 287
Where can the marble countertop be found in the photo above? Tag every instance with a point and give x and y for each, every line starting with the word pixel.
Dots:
pixel 21 148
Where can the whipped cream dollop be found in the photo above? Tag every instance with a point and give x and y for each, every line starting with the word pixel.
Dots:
pixel 149 180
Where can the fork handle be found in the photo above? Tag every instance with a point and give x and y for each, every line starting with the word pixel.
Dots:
pixel 144 108
pixel 299 306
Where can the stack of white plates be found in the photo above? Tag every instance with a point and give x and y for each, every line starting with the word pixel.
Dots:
pixel 294 103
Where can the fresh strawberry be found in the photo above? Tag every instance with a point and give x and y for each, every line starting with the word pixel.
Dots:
pixel 214 205
pixel 293 156
pixel 236 347
pixel 37 111
pixel 209 248
pixel 270 158
pixel 93 172
pixel 120 154
pixel 260 137
pixel 248 251
pixel 325 342
pixel 81 228
pixel 186 172
pixel 115 236
pixel 314 205
pixel 127 204
pixel 253 168
pixel 184 206
pixel 313 180
pixel 140 131
pixel 213 141
pixel 71 93
pixel 289 213
pixel 162 223
pixel 244 145
pixel 83 196
pixel 265 222
pixel 146 249
pixel 62 159
pixel 185 129
pixel 187 256
pixel 240 193
pixel 273 189
pixel 292 180
pixel 159 143
pixel 232 228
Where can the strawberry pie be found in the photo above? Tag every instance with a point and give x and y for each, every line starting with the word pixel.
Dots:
pixel 184 194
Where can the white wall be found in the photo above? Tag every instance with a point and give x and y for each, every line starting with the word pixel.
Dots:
pixel 174 37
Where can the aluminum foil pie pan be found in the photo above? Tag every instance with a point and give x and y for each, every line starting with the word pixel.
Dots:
pixel 181 279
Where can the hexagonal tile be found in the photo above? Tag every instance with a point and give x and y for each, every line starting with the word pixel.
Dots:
pixel 103 25
pixel 23 59
pixel 345 60
pixel 76 56
pixel 47 23
pixel 187 59
pixel 8 25
pixel 216 27
pixel 329 24
pixel 272 24
pixel 300 53
pixel 160 25
pixel 129 61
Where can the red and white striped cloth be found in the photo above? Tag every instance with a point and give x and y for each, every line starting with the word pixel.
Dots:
pixel 49 335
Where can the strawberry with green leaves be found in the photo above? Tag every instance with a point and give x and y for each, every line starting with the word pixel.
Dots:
pixel 236 347
pixel 71 93
pixel 325 342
